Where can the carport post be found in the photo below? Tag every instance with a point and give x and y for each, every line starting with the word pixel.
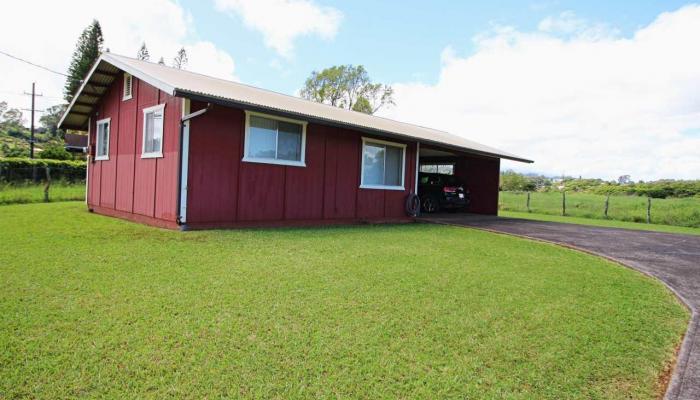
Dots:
pixel 415 189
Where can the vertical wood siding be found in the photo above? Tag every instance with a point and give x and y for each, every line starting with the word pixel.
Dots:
pixel 223 189
pixel 126 182
pixel 480 176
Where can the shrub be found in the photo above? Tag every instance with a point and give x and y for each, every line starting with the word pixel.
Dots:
pixel 27 169
pixel 55 152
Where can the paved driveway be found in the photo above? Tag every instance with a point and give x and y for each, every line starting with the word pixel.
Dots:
pixel 672 258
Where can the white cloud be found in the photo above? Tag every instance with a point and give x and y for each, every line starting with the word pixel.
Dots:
pixel 586 104
pixel 282 21
pixel 163 24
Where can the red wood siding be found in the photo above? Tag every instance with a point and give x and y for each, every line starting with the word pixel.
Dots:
pixel 126 182
pixel 480 175
pixel 222 189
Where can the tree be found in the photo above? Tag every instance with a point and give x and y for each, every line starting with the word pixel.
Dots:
pixel 161 61
pixel 143 53
pixel 86 52
pixel 10 117
pixel 624 180
pixel 52 115
pixel 513 181
pixel 349 87
pixel 180 59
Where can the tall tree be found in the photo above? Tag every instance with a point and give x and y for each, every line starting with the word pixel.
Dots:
pixel 347 86
pixel 86 52
pixel 180 59
pixel 143 53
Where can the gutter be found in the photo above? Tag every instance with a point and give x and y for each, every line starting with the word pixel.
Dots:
pixel 185 118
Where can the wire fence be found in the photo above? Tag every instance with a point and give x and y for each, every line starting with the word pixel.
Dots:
pixel 41 184
pixel 671 211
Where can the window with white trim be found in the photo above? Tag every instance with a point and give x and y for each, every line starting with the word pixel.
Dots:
pixel 383 165
pixel 445 169
pixel 153 131
pixel 128 87
pixel 102 142
pixel 274 140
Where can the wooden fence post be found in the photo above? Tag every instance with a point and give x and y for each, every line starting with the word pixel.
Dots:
pixel 648 210
pixel 607 204
pixel 563 203
pixel 48 184
pixel 528 201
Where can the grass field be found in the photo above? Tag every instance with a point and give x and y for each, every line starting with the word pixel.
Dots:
pixel 97 307
pixel 11 193
pixel 678 212
pixel 602 222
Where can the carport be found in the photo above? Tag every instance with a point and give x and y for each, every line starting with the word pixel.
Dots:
pixel 478 173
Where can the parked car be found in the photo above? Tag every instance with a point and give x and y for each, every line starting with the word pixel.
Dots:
pixel 441 192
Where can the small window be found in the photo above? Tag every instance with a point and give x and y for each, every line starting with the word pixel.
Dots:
pixel 102 145
pixel 153 132
pixel 127 86
pixel 274 140
pixel 445 169
pixel 382 165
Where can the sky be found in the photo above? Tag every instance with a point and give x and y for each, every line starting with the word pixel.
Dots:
pixel 595 89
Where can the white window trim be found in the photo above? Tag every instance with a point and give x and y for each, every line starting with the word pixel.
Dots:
pixel 246 158
pixel 366 140
pixel 128 96
pixel 153 154
pixel 108 122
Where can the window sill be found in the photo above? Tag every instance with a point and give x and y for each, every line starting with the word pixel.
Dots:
pixel 152 155
pixel 381 187
pixel 274 162
pixel 125 98
pixel 102 158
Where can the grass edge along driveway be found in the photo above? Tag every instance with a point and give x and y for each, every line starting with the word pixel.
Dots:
pixel 97 307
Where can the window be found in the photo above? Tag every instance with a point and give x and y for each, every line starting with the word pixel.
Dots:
pixel 382 165
pixel 102 147
pixel 274 140
pixel 153 132
pixel 127 86
pixel 446 169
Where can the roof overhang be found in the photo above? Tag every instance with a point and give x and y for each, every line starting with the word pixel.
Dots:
pixel 108 68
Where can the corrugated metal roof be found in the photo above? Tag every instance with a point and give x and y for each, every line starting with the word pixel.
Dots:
pixel 184 83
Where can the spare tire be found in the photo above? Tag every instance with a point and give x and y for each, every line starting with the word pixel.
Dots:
pixel 412 205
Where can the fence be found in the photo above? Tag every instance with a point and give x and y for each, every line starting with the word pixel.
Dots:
pixel 41 183
pixel 678 211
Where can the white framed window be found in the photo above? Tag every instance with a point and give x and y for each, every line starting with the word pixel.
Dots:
pixel 102 143
pixel 153 131
pixel 128 87
pixel 383 165
pixel 274 140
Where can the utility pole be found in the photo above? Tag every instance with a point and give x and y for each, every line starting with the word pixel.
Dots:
pixel 31 140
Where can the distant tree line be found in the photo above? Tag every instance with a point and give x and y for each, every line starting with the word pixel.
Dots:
pixel 512 181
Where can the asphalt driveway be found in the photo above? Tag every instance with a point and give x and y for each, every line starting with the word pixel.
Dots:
pixel 672 258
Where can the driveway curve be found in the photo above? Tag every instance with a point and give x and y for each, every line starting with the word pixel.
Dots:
pixel 672 258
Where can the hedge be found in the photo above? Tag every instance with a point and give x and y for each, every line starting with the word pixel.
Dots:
pixel 28 169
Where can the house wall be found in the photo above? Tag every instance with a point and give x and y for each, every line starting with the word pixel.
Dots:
pixel 127 185
pixel 223 190
pixel 480 176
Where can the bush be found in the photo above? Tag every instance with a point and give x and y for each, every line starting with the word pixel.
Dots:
pixel 27 169
pixel 55 152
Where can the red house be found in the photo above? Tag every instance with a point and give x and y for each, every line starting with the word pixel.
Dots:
pixel 177 149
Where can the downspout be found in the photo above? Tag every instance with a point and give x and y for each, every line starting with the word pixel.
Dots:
pixel 183 121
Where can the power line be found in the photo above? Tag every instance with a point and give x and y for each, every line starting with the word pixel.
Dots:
pixel 36 65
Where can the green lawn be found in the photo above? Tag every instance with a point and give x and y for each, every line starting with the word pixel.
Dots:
pixel 11 193
pixel 601 222
pixel 97 307
pixel 677 212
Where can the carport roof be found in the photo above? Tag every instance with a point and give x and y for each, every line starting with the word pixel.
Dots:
pixel 177 82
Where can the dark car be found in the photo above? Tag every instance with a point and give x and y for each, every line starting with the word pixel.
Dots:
pixel 441 192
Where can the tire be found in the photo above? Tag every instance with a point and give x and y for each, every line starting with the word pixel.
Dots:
pixel 430 204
